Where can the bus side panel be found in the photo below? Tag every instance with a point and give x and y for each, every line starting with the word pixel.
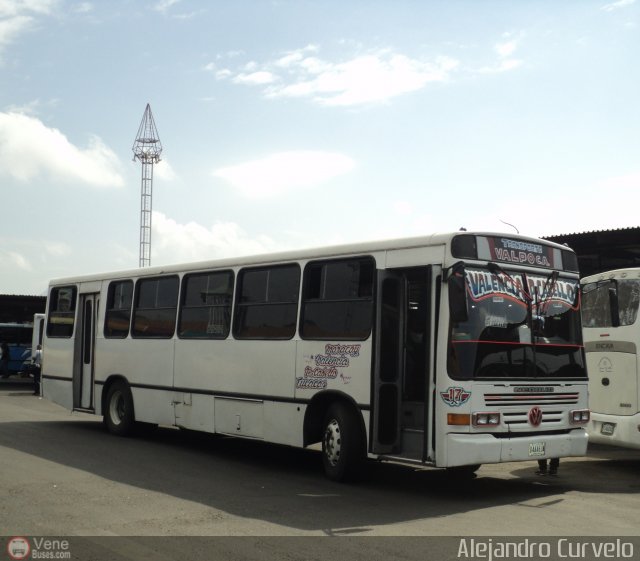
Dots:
pixel 147 365
pixel 243 376
pixel 153 406
pixel 259 369
pixel 284 422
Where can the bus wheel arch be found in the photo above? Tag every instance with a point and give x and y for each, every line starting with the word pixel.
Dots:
pixel 117 406
pixel 334 419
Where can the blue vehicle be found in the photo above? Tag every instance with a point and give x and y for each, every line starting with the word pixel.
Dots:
pixel 18 337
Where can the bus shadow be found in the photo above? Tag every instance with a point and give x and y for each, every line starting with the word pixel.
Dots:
pixel 286 486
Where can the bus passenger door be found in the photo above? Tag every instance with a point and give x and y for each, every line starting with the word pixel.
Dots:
pixel 83 371
pixel 403 345
pixel 389 363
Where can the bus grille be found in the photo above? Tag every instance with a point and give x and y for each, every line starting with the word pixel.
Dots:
pixel 520 404
pixel 494 399
pixel 521 418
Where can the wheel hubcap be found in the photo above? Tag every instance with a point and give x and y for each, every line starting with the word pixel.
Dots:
pixel 332 442
pixel 116 408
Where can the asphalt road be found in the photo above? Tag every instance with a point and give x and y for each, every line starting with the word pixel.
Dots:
pixel 62 474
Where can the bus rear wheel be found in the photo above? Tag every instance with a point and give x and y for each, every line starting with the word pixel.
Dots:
pixel 343 448
pixel 118 414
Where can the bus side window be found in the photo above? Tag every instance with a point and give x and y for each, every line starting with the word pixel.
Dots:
pixel 154 316
pixel 205 305
pixel 62 311
pixel 337 301
pixel 118 313
pixel 267 302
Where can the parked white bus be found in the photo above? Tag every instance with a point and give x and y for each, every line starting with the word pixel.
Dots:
pixel 452 350
pixel 612 337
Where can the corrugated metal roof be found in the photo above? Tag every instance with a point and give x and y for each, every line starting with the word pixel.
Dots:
pixel 22 296
pixel 549 237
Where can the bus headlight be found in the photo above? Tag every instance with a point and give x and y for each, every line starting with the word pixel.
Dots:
pixel 579 416
pixel 485 419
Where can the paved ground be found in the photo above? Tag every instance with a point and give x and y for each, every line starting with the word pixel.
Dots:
pixel 63 475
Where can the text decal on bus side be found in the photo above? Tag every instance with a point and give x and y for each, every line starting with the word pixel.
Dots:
pixel 455 396
pixel 333 364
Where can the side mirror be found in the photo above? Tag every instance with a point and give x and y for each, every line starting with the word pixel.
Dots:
pixel 457 293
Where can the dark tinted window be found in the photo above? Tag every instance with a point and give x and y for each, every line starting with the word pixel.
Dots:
pixel 205 309
pixel 267 303
pixel 118 312
pixel 156 306
pixel 62 311
pixel 338 299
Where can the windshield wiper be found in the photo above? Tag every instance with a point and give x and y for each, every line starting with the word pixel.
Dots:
pixel 495 269
pixel 547 293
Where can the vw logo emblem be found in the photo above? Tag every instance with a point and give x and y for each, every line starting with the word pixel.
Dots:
pixel 535 416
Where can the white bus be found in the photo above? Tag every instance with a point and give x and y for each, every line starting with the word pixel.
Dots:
pixel 451 350
pixel 612 335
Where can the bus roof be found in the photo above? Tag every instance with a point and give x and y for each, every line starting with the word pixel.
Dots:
pixel 300 254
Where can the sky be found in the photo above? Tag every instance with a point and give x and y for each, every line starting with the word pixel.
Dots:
pixel 291 124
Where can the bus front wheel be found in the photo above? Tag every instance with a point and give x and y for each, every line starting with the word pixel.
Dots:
pixel 118 415
pixel 343 448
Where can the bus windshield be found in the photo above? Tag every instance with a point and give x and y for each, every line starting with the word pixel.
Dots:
pixel 611 303
pixel 517 325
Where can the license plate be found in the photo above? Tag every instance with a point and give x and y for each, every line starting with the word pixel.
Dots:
pixel 536 449
pixel 607 428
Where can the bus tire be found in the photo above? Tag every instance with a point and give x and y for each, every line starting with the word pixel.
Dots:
pixel 343 449
pixel 118 415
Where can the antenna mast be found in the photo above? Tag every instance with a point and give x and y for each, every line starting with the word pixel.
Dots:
pixel 147 149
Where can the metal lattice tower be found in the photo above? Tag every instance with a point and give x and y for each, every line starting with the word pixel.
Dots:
pixel 146 148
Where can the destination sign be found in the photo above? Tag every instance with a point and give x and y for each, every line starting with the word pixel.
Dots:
pixel 503 249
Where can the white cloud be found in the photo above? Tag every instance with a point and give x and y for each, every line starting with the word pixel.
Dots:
pixel 255 78
pixel 506 49
pixel 223 74
pixel 27 267
pixel 84 8
pixel 11 8
pixel 56 249
pixel 177 243
pixel 375 77
pixel 293 57
pixel 163 171
pixel 28 149
pixel 617 5
pixel 285 171
pixel 18 260
pixel 18 16
pixel 502 66
pixel 164 5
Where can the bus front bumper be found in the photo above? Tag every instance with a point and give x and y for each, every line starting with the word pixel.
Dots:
pixel 615 430
pixel 467 449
